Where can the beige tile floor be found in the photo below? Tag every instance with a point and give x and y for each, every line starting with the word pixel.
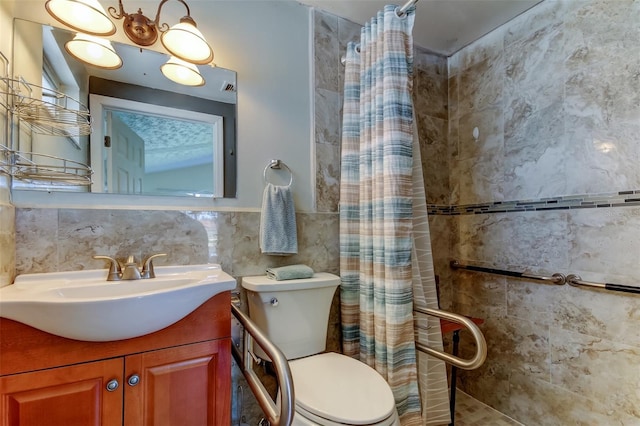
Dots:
pixel 471 412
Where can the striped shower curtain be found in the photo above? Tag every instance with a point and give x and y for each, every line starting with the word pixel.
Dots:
pixel 377 240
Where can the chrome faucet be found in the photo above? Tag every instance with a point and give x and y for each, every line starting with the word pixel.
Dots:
pixel 129 270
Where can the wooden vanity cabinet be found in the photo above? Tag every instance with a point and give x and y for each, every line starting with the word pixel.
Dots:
pixel 177 376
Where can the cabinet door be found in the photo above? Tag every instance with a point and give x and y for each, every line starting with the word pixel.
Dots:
pixel 66 396
pixel 182 386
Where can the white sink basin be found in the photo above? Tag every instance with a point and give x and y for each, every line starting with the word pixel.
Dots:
pixel 83 305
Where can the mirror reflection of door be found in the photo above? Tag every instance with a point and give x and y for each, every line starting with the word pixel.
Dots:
pixel 126 168
pixel 155 150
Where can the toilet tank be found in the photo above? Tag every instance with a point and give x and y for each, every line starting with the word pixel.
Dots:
pixel 294 314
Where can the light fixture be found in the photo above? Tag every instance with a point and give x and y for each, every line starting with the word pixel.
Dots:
pixel 94 51
pixel 86 16
pixel 183 40
pixel 182 72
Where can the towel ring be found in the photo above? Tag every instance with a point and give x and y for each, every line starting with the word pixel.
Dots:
pixel 277 164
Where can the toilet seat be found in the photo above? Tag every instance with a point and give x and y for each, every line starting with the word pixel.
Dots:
pixel 335 389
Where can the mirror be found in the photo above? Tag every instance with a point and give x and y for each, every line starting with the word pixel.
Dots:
pixel 145 96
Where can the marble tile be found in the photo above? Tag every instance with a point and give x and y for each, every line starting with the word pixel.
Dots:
pixel 490 382
pixel 490 142
pixel 477 170
pixel 487 48
pixel 471 412
pixel 479 296
pixel 7 244
pixel 481 85
pixel 537 402
pixel 531 240
pixel 443 237
pixel 597 369
pixel 327 54
pixel 515 347
pixel 528 65
pixel 328 117
pixel 526 298
pixel 605 242
pixel 430 62
pixel 474 181
pixel 435 158
pixel 536 152
pixel 603 95
pixel 327 178
pixel 120 233
pixel 569 107
pixel 430 93
pixel 602 315
pixel 453 98
pixel 36 240
pixel 542 15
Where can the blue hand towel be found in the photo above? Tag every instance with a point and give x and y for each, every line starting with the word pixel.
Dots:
pixel 291 272
pixel 278 221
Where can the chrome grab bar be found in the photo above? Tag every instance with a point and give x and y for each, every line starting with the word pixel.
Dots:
pixel 556 278
pixel 481 344
pixel 576 281
pixel 282 416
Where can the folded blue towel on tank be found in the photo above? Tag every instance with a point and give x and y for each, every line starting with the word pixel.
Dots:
pixel 291 272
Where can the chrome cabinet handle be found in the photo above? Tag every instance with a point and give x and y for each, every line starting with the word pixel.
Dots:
pixel 112 385
pixel 133 380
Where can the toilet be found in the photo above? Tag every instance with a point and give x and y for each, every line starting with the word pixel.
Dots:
pixel 330 389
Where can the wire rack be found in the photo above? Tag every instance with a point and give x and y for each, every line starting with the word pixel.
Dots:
pixel 43 168
pixel 45 110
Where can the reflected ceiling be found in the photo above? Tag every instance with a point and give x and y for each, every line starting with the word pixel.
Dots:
pixel 170 143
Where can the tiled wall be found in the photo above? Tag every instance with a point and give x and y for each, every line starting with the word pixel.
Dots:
pixel 7 234
pixel 555 95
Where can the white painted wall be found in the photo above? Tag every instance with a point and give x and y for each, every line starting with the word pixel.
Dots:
pixel 268 44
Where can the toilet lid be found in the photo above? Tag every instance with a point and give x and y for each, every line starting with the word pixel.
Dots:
pixel 341 389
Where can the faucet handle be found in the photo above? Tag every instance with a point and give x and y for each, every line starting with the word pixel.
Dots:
pixel 147 266
pixel 115 272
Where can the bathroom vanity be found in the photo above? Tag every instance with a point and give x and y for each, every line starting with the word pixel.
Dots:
pixel 180 375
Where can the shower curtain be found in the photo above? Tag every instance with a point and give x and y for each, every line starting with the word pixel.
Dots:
pixel 377 221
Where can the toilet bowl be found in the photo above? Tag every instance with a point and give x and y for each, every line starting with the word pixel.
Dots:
pixel 330 389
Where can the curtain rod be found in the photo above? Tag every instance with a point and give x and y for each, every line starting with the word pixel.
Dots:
pixel 405 7
pixel 400 11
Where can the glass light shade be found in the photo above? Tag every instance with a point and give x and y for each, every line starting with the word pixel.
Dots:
pixel 182 72
pixel 94 51
pixel 87 16
pixel 186 42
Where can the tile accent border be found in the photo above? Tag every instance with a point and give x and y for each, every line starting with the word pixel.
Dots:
pixel 587 201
